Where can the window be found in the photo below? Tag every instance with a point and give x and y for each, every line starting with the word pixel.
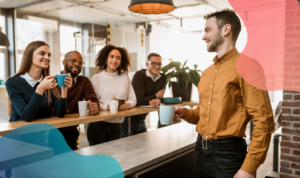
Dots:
pixel 67 41
pixel 27 31
pixel 3 53
pixel 2 66
pixel 2 23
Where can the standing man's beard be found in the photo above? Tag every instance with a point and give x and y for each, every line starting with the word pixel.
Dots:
pixel 215 42
pixel 68 70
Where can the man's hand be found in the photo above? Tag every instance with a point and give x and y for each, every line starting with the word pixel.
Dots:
pixel 243 174
pixel 93 107
pixel 160 94
pixel 68 83
pixel 154 102
pixel 178 114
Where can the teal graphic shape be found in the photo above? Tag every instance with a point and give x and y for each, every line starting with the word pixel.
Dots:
pixel 40 151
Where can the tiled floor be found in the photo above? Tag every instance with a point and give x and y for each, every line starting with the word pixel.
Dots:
pixel 261 172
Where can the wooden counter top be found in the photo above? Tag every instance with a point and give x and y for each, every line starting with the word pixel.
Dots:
pixel 75 119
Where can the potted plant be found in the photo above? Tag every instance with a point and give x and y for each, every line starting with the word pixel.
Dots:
pixel 184 79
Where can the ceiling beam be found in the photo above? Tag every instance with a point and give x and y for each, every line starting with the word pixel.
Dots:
pixel 95 6
pixel 31 4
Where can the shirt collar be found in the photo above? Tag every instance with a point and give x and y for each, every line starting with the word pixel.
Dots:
pixel 149 75
pixel 30 80
pixel 225 56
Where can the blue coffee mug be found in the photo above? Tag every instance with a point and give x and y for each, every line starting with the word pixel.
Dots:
pixel 60 79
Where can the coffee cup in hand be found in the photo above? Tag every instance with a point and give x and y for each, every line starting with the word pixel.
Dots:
pixel 166 115
pixel 113 106
pixel 121 102
pixel 60 79
pixel 82 106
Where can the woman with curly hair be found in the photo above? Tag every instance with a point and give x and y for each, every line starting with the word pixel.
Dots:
pixel 111 83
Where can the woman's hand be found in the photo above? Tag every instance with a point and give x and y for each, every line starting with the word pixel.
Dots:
pixel 47 83
pixel 68 83
pixel 125 106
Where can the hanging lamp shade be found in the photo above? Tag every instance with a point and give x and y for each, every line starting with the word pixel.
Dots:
pixel 3 39
pixel 151 6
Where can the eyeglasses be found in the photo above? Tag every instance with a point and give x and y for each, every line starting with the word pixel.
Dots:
pixel 155 64
pixel 74 60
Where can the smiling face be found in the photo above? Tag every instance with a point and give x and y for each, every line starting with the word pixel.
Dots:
pixel 73 63
pixel 212 35
pixel 41 57
pixel 154 65
pixel 113 61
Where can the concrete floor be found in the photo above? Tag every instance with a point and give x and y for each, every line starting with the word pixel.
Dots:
pixel 261 172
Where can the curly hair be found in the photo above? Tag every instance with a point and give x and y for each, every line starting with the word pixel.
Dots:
pixel 103 54
pixel 227 16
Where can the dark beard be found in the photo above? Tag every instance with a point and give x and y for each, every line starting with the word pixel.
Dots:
pixel 216 41
pixel 68 70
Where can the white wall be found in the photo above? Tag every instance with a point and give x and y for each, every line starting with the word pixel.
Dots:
pixel 170 42
pixel 126 34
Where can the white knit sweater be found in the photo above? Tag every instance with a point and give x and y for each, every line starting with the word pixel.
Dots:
pixel 111 85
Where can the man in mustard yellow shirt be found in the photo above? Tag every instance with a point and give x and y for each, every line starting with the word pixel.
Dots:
pixel 226 105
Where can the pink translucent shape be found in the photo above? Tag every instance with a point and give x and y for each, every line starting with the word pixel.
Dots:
pixel 273 28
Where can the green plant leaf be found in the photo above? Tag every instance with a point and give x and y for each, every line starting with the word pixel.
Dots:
pixel 195 77
pixel 184 64
pixel 168 78
pixel 183 74
pixel 195 66
pixel 170 83
pixel 166 68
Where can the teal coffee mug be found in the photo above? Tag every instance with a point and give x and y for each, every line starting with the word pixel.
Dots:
pixel 166 115
pixel 60 79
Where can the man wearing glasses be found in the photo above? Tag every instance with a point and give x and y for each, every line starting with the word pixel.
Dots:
pixel 82 88
pixel 149 87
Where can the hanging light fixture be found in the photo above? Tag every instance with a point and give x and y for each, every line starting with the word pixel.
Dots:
pixel 3 38
pixel 151 6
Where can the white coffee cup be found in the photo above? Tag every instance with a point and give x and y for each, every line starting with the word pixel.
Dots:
pixel 166 115
pixel 113 106
pixel 82 106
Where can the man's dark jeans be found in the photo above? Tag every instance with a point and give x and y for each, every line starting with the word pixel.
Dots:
pixel 137 126
pixel 217 163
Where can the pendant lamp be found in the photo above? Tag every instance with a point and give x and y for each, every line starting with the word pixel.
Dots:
pixel 151 6
pixel 3 39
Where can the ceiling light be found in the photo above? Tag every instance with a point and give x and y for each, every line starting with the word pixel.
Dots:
pixel 3 39
pixel 151 6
